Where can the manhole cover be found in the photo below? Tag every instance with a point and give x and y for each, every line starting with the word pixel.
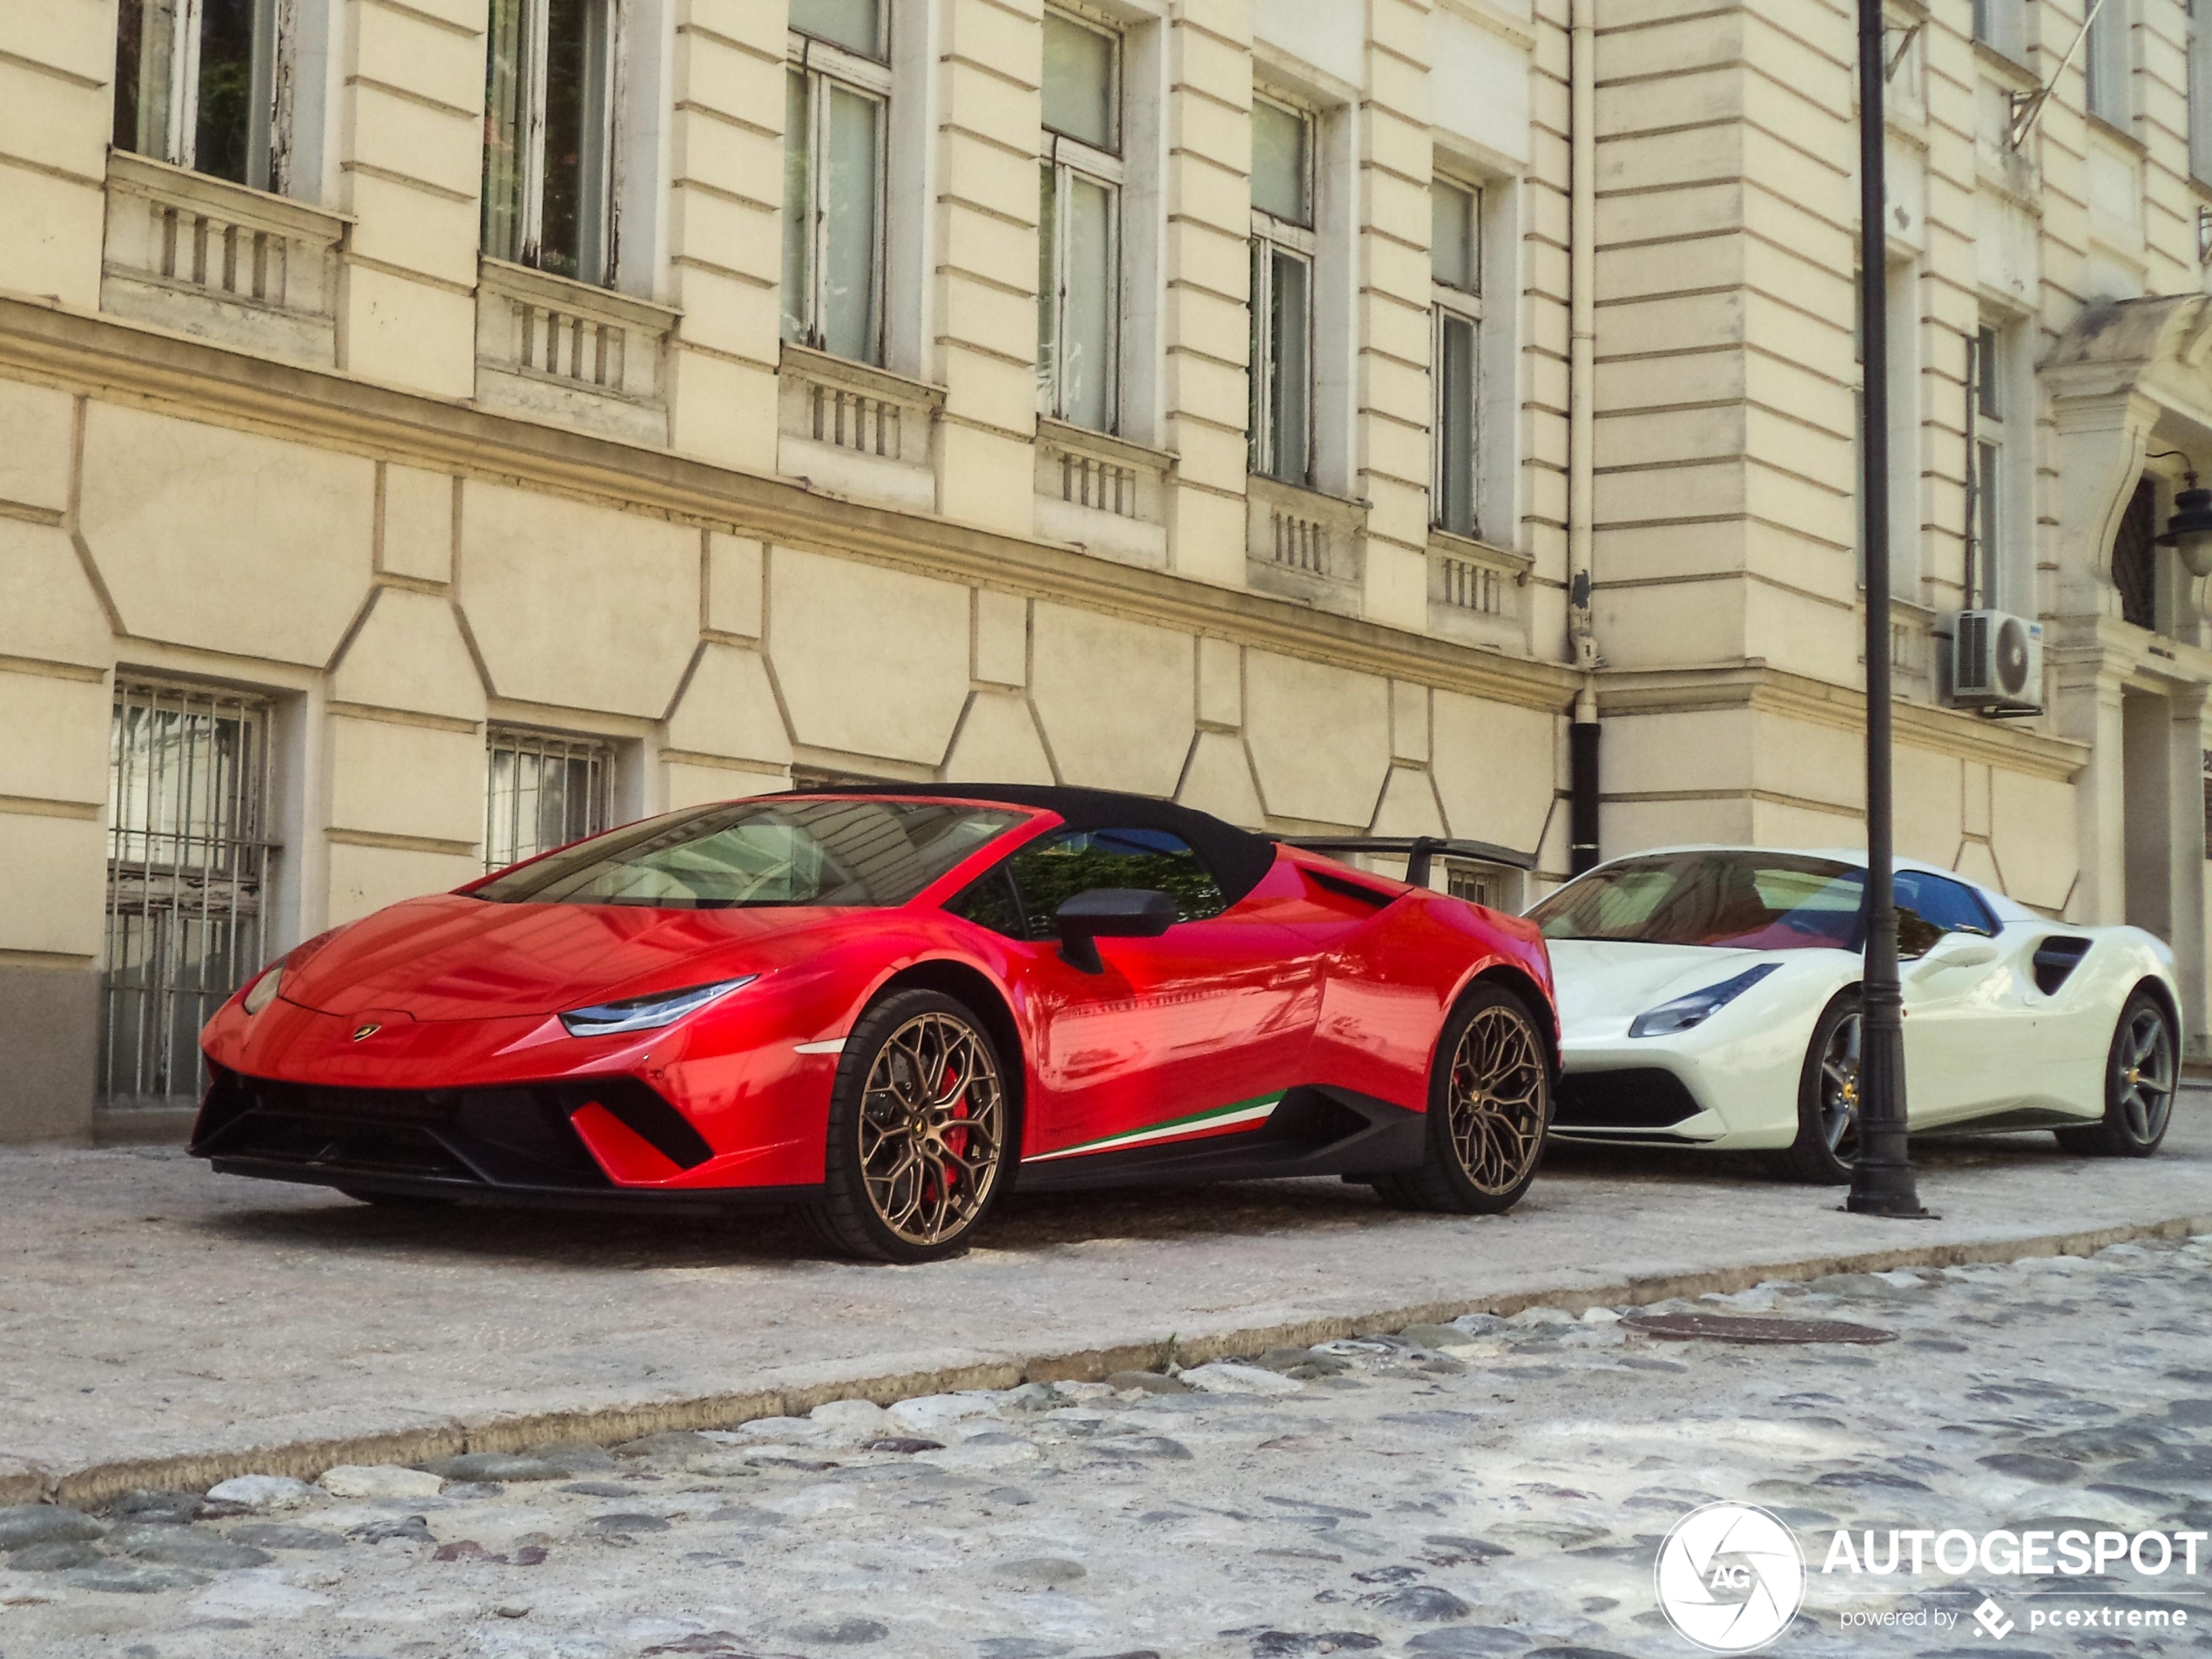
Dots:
pixel 1736 1327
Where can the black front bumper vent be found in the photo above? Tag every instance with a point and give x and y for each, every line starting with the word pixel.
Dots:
pixel 515 1137
pixel 1639 1097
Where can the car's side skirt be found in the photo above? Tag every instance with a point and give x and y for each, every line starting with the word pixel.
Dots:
pixel 1311 1131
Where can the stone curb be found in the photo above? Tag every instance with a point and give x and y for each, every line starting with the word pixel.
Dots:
pixel 98 1482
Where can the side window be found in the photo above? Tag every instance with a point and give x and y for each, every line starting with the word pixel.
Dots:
pixel 1948 907
pixel 990 902
pixel 1049 871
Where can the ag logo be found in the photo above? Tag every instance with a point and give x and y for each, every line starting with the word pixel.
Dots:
pixel 1729 1577
pixel 363 1033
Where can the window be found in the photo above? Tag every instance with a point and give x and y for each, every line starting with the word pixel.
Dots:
pixel 1494 887
pixel 2135 557
pixel 1946 905
pixel 1022 896
pixel 1456 264
pixel 187 861
pixel 1079 225
pixel 774 851
pixel 2104 63
pixel 2198 45
pixel 2002 25
pixel 543 791
pixel 836 117
pixel 549 136
pixel 1732 901
pixel 1281 427
pixel 196 84
pixel 1988 474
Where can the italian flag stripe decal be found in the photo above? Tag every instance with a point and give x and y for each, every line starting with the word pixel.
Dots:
pixel 1243 1111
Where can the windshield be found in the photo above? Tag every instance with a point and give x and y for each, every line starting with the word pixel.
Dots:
pixel 1741 900
pixel 774 851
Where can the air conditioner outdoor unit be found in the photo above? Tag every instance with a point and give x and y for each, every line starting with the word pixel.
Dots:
pixel 1996 662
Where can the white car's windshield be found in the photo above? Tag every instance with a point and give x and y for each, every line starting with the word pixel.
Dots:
pixel 792 851
pixel 1739 900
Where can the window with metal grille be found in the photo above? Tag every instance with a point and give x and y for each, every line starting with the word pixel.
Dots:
pixel 188 859
pixel 2134 558
pixel 1491 885
pixel 543 790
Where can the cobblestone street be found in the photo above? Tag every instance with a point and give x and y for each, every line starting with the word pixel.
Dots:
pixel 1492 1487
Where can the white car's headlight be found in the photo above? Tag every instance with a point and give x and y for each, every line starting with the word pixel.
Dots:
pixel 1695 1009
pixel 264 990
pixel 648 1013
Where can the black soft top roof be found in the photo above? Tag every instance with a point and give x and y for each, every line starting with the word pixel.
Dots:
pixel 1238 858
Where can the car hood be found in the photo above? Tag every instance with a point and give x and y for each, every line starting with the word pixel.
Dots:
pixel 1605 980
pixel 450 957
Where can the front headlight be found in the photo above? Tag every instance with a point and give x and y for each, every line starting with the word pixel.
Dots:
pixel 1684 1012
pixel 264 990
pixel 648 1013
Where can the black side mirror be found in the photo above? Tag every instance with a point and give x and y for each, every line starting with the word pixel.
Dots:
pixel 1109 913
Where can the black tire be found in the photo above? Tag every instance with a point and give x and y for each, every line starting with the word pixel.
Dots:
pixel 2143 1069
pixel 1827 1143
pixel 919 1125
pixel 1489 1108
pixel 400 1200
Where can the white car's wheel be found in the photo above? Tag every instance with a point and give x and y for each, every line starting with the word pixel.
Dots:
pixel 2140 1072
pixel 1827 1141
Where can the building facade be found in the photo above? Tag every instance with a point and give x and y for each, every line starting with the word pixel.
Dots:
pixel 431 430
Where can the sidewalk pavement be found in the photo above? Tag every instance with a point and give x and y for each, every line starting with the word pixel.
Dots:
pixel 161 1326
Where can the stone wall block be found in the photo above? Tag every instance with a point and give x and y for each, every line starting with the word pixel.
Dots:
pixel 1137 736
pixel 1319 738
pixel 210 538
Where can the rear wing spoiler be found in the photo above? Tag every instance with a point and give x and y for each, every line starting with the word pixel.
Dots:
pixel 1420 852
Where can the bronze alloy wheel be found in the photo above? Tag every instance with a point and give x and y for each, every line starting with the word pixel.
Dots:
pixel 1496 1106
pixel 931 1122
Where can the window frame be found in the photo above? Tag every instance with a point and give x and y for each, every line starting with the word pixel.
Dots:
pixel 2008 38
pixel 597 210
pixel 1449 304
pixel 598 753
pixel 2196 46
pixel 823 65
pixel 2107 90
pixel 1272 236
pixel 1003 872
pixel 179 25
pixel 1065 158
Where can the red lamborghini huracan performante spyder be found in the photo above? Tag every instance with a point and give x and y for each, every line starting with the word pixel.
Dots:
pixel 888 1005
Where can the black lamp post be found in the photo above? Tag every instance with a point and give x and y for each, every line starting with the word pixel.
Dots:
pixel 1881 1182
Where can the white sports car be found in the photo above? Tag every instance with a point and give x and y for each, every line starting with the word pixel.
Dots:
pixel 1708 996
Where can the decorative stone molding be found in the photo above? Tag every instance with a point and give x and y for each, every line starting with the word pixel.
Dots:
pixel 1301 545
pixel 1102 494
pixel 552 349
pixel 213 258
pixel 1475 591
pixel 850 429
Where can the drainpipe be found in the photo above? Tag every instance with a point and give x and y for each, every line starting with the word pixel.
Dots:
pixel 1582 737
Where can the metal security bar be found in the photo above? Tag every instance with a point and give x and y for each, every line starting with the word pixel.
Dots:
pixel 188 857
pixel 544 791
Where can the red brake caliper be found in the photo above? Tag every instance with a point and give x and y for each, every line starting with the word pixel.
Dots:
pixel 956 1141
